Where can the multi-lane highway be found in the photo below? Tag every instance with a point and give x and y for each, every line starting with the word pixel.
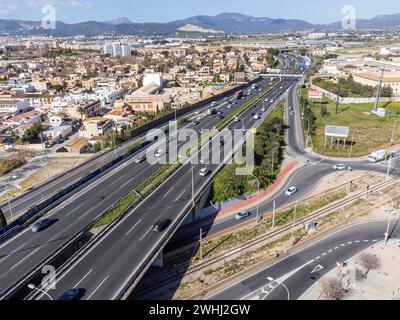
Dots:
pixel 123 253
pixel 26 250
pixel 302 269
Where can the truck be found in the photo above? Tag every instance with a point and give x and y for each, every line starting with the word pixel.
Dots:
pixel 239 94
pixel 380 155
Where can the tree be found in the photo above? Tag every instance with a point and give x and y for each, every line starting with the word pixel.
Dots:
pixel 3 220
pixel 81 111
pixel 332 289
pixel 369 262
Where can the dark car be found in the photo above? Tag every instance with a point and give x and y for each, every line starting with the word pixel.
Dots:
pixel 161 225
pixel 41 225
pixel 72 294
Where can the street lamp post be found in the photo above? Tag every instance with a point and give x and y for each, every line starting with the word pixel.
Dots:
pixel 388 169
pixel 258 197
pixel 33 287
pixel 9 206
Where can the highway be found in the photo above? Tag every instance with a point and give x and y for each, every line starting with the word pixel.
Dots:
pixel 296 270
pixel 26 249
pixel 305 179
pixel 104 269
pixel 21 203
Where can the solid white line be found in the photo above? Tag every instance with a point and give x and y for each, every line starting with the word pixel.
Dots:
pixel 77 284
pixel 145 235
pixel 133 227
pixel 101 283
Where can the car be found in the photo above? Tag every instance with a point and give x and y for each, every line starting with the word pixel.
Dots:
pixel 263 109
pixel 195 123
pixel 256 116
pixel 244 130
pixel 219 113
pixel 237 119
pixel 242 215
pixel 72 294
pixel 159 153
pixel 291 191
pixel 140 159
pixel 221 141
pixel 203 172
pixel 197 112
pixel 220 117
pixel 161 225
pixel 41 225
pixel 229 106
pixel 340 167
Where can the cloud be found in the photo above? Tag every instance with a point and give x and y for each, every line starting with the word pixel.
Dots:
pixel 7 7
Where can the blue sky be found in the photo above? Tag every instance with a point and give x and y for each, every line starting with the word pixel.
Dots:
pixel 315 11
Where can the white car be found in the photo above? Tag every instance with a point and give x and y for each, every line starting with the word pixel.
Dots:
pixel 203 172
pixel 340 167
pixel 291 191
pixel 159 153
pixel 237 119
pixel 242 215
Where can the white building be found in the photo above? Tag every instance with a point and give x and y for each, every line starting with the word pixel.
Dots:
pixel 153 78
pixel 14 106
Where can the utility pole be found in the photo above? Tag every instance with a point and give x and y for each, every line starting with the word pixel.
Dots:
pixel 201 243
pixel 351 145
pixel 379 90
pixel 393 133
pixel 273 214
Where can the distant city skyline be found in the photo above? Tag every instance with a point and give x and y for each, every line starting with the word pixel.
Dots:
pixel 314 11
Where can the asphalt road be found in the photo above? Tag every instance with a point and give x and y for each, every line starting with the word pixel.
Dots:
pixel 305 179
pixel 104 269
pixel 298 270
pixel 26 250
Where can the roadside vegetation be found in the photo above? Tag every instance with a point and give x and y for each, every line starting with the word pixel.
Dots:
pixel 8 165
pixel 268 142
pixel 370 131
pixel 349 88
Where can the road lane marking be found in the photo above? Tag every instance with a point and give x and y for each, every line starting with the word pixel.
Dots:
pixel 133 227
pixel 101 283
pixel 26 257
pixel 172 189
pixel 343 244
pixel 349 242
pixel 77 284
pixel 330 250
pixel 366 240
pixel 179 197
pixel 336 248
pixel 145 234
pixel 357 241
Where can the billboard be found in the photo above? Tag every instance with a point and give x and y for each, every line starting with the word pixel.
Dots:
pixel 312 94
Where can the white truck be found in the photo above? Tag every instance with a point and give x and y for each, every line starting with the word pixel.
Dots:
pixel 380 155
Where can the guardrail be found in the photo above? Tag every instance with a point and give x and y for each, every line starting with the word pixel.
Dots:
pixel 19 223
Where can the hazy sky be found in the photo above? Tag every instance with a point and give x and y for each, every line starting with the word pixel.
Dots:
pixel 315 11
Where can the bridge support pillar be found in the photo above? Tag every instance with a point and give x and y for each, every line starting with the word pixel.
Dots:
pixel 159 262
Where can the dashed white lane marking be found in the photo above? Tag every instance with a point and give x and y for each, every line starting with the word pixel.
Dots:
pixel 357 241
pixel 350 242
pixel 145 234
pixel 317 258
pixel 133 227
pixel 324 254
pixel 77 284
pixel 375 240
pixel 180 195
pixel 98 287
pixel 366 240
pixel 330 250
pixel 336 248
pixel 342 245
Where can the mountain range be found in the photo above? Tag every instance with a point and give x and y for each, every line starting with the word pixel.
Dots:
pixel 234 23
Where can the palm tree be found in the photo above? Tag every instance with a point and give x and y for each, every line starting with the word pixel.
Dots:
pixel 80 110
